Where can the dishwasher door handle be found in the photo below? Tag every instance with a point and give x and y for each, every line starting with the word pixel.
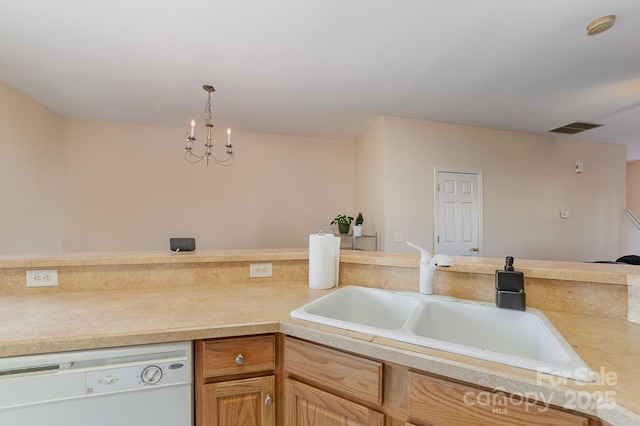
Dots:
pixel 27 371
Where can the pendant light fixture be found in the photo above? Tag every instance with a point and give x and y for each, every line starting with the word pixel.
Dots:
pixel 190 156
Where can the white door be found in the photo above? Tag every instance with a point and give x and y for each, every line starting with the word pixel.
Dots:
pixel 458 214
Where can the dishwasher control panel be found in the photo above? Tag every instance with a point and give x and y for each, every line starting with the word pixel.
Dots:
pixel 136 377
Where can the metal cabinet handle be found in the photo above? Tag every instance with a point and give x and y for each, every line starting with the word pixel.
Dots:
pixel 240 359
pixel 268 400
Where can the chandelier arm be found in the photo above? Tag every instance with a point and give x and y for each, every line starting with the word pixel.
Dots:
pixel 189 156
pixel 227 162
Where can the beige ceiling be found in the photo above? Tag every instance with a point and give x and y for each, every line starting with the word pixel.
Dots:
pixel 327 68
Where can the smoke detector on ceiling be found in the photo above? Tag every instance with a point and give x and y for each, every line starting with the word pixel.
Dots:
pixel 600 25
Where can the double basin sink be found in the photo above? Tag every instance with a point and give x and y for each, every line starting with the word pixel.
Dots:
pixel 524 339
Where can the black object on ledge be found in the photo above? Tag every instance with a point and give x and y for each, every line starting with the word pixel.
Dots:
pixel 510 288
pixel 182 244
pixel 630 259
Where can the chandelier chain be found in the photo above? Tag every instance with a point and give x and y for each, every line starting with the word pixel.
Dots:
pixel 207 111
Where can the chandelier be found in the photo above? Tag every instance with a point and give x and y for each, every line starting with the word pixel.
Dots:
pixel 190 156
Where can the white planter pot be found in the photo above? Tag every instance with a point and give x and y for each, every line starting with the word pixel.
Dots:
pixel 357 230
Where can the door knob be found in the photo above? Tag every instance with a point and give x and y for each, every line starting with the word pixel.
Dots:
pixel 475 248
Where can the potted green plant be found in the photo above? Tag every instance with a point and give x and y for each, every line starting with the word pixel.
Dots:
pixel 343 222
pixel 357 228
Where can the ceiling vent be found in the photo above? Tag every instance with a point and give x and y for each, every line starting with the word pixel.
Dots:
pixel 575 127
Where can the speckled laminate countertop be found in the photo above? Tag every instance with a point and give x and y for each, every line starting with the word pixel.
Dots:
pixel 571 271
pixel 78 320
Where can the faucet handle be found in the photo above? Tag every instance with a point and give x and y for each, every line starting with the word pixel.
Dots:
pixel 442 260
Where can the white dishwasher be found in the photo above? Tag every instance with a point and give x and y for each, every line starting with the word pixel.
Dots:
pixel 126 386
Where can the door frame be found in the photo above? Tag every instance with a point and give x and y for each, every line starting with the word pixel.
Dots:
pixel 436 200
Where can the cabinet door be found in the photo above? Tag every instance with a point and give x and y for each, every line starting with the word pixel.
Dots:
pixel 247 402
pixel 308 406
pixel 441 403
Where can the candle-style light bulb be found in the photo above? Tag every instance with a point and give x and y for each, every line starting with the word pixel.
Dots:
pixel 228 136
pixel 193 127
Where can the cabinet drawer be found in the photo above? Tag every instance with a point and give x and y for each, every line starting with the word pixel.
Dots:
pixel 237 355
pixel 438 402
pixel 338 371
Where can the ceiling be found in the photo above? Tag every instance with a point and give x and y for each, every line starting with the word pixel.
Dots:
pixel 328 68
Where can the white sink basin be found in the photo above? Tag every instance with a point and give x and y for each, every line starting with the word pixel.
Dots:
pixel 477 329
pixel 363 308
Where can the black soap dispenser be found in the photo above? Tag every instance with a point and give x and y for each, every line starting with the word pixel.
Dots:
pixel 510 287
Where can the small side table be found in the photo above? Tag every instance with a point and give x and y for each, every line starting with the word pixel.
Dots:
pixel 369 241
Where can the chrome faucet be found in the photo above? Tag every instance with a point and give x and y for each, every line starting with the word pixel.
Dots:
pixel 428 267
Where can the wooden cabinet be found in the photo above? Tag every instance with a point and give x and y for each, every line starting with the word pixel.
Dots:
pixel 308 406
pixel 434 401
pixel 239 380
pixel 235 381
pixel 325 387
pixel 239 402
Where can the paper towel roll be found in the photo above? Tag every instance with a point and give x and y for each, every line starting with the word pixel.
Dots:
pixel 324 260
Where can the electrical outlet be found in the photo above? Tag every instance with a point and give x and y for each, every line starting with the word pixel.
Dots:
pixel 260 270
pixel 42 278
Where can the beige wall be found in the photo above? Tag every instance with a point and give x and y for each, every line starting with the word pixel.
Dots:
pixel 633 187
pixel 31 191
pixel 633 204
pixel 370 178
pixel 129 188
pixel 81 185
pixel 527 181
